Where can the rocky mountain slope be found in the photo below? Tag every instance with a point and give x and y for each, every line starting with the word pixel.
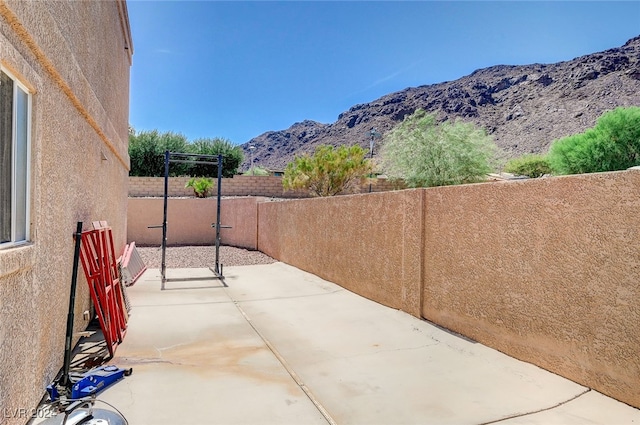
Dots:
pixel 524 107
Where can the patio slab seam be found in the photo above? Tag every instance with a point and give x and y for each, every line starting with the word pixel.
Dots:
pixel 288 297
pixel 323 411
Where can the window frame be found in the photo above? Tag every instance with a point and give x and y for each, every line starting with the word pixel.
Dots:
pixel 17 87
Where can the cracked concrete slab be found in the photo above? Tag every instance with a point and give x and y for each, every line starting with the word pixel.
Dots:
pixel 279 345
pixel 590 408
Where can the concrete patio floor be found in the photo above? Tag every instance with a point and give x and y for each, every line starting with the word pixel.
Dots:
pixel 281 346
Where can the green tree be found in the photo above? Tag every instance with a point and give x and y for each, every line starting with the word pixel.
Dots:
pixel 233 157
pixel 146 152
pixel 330 171
pixel 424 153
pixel 612 144
pixel 530 165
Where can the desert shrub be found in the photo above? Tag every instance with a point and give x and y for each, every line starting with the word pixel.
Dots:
pixel 329 171
pixel 424 153
pixel 528 165
pixel 256 171
pixel 612 144
pixel 200 186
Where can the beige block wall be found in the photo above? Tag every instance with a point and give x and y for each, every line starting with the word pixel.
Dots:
pixel 547 271
pixel 189 221
pixel 544 270
pixel 370 244
pixel 79 167
pixel 269 186
pixel 236 186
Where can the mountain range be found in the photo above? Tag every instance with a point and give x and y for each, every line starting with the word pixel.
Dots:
pixel 523 107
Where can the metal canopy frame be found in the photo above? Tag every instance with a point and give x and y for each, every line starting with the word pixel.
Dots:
pixel 190 158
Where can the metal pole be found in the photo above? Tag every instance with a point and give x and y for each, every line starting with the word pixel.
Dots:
pixel 217 269
pixel 251 149
pixel 72 302
pixel 371 156
pixel 164 219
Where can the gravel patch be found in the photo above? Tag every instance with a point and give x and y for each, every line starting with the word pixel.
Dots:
pixel 201 256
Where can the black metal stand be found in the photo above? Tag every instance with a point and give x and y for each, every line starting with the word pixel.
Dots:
pixel 175 157
pixel 65 380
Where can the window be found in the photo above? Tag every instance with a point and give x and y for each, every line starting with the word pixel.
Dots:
pixel 15 106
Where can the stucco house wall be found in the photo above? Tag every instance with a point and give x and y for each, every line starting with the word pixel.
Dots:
pixel 74 58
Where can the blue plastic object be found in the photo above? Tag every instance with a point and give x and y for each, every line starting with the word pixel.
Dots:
pixel 53 392
pixel 96 380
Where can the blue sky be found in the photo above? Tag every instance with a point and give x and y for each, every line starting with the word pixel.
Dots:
pixel 238 69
